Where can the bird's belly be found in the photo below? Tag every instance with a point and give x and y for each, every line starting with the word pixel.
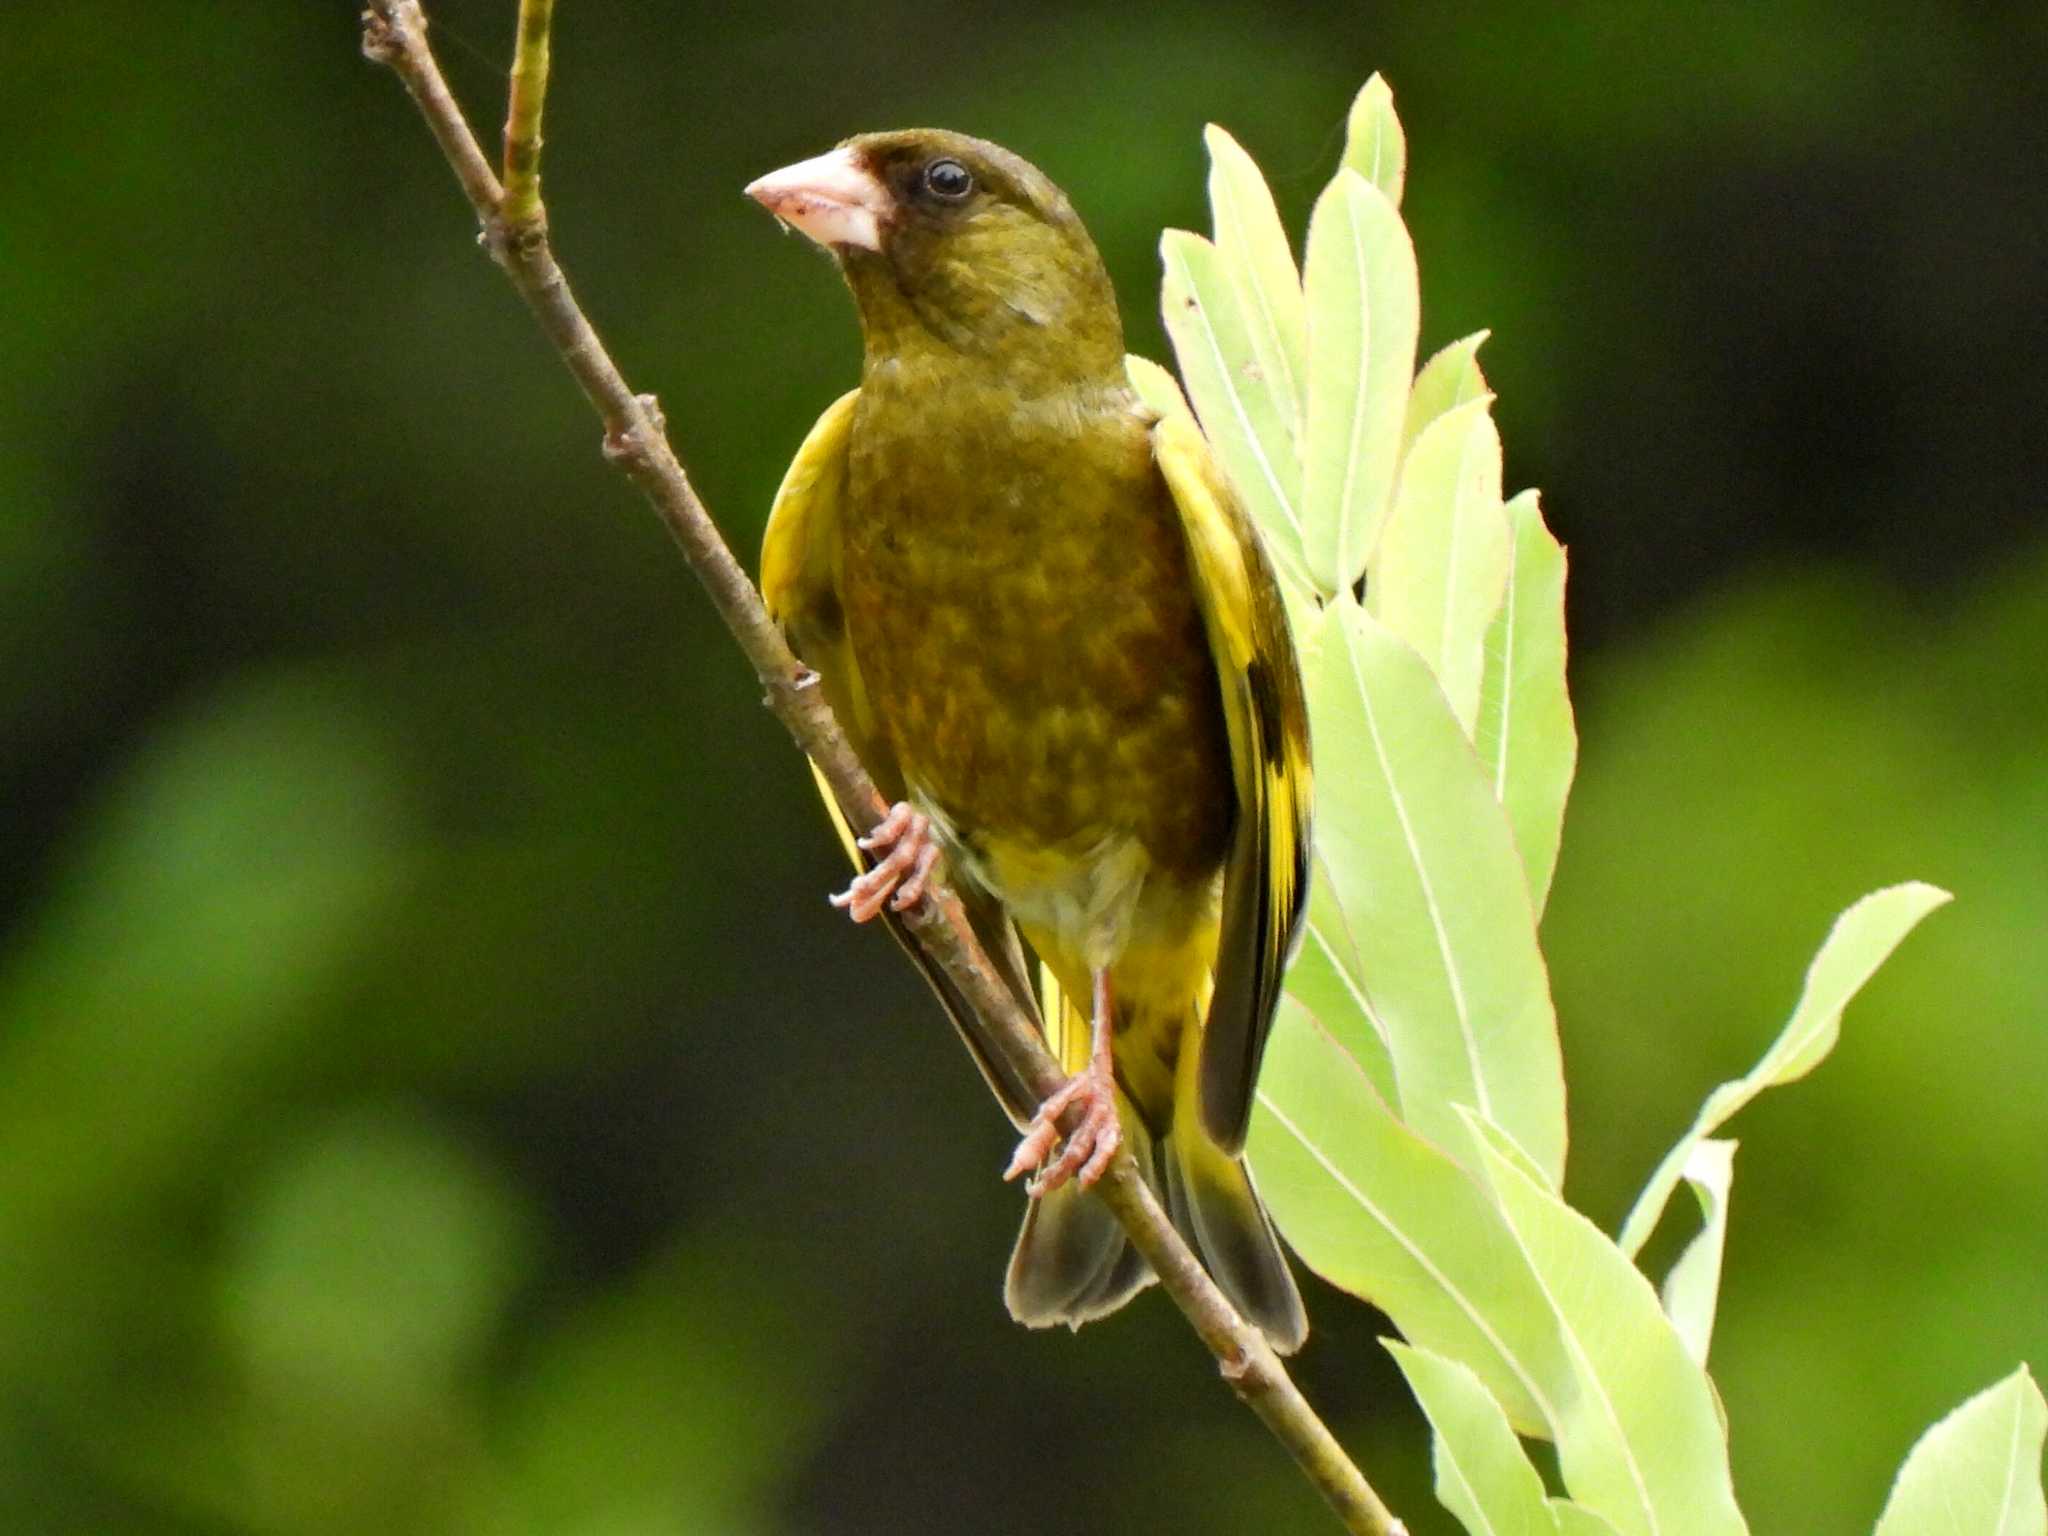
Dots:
pixel 1083 898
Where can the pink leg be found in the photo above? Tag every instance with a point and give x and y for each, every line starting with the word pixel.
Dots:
pixel 900 876
pixel 1089 1149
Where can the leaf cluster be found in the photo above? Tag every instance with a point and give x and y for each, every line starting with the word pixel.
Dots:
pixel 1410 1132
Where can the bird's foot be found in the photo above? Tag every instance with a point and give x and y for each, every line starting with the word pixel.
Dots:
pixel 901 874
pixel 1089 1149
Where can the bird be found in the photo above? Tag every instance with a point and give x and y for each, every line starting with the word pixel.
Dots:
pixel 1057 645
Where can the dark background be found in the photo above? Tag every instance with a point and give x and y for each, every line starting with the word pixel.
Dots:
pixel 434 1095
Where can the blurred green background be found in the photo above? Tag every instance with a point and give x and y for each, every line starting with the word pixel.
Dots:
pixel 434 1095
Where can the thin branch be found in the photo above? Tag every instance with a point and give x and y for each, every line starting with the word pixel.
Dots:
pixel 635 439
pixel 521 203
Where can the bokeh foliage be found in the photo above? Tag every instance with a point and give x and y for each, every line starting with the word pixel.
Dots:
pixel 432 1094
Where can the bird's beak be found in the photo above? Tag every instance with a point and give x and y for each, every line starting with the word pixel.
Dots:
pixel 832 198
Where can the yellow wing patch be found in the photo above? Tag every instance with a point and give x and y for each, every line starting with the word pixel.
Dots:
pixel 800 578
pixel 1265 881
pixel 801 570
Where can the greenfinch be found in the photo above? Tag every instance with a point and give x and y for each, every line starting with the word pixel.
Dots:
pixel 1051 633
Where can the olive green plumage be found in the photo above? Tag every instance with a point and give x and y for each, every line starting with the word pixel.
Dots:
pixel 1045 621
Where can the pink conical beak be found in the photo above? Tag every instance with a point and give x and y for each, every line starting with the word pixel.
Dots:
pixel 832 198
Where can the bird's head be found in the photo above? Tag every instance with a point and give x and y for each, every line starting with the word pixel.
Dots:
pixel 954 242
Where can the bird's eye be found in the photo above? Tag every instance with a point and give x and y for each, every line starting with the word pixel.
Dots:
pixel 948 179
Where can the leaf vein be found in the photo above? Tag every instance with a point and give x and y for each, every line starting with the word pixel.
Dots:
pixel 1452 976
pixel 1421 1258
pixel 1258 447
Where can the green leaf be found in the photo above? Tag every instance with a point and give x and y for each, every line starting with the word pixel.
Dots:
pixel 1483 1476
pixel 1577 1520
pixel 1861 939
pixel 1442 565
pixel 1446 382
pixel 1374 1208
pixel 1363 311
pixel 1154 385
pixel 1255 253
pixel 1328 978
pixel 1234 400
pixel 1374 145
pixel 1692 1288
pixel 1525 734
pixel 1638 1440
pixel 1423 871
pixel 1977 1472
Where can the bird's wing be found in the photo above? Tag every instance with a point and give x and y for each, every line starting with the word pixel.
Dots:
pixel 800 583
pixel 1265 879
pixel 801 567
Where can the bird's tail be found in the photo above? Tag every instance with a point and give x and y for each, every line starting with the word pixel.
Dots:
pixel 1210 1196
pixel 1073 1264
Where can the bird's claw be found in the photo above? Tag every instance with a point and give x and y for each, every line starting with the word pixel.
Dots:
pixel 903 873
pixel 1087 1153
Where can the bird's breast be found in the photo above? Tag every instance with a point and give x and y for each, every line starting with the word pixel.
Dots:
pixel 1019 601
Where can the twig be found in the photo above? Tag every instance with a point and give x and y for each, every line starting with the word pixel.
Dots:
pixel 635 439
pixel 522 204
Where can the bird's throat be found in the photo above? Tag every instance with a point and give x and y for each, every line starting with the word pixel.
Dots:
pixel 1031 341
